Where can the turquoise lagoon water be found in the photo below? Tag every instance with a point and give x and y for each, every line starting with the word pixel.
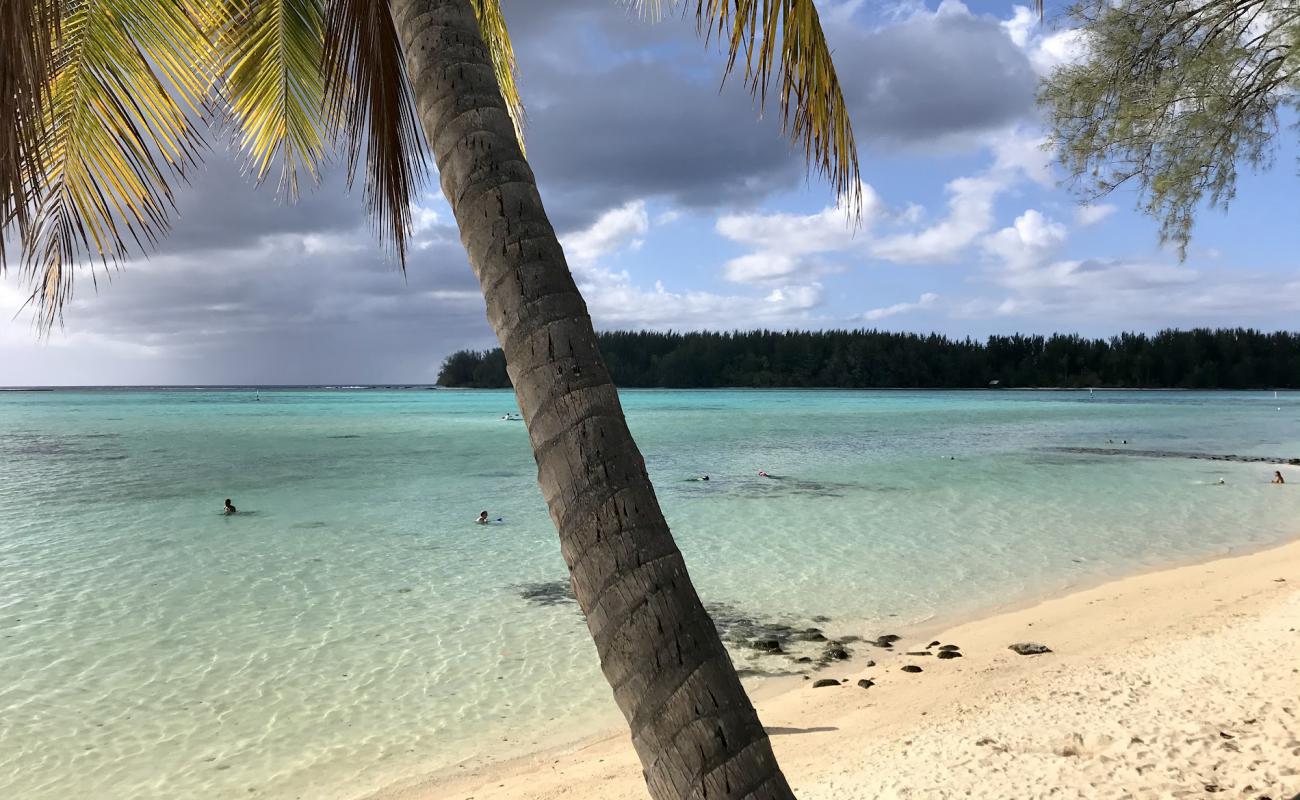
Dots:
pixel 352 627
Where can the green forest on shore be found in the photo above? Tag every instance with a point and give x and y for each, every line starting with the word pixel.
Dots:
pixel 1229 358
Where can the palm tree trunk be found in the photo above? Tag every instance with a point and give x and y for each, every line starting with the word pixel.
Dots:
pixel 693 726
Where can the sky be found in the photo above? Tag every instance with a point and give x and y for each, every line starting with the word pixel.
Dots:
pixel 680 207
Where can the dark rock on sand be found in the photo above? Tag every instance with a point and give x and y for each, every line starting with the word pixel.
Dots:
pixel 871 663
pixel 1030 648
pixel 950 647
pixel 935 643
pixel 919 653
pixel 835 652
pixel 866 683
pixel 824 682
pixel 803 660
pixel 888 637
pixel 772 646
pixel 949 654
pixel 912 668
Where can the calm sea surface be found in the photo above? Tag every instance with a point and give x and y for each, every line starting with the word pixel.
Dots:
pixel 351 626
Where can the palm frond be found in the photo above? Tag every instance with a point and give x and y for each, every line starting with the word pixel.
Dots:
pixel 272 81
pixel 787 35
pixel 118 127
pixel 369 104
pixel 492 26
pixel 27 29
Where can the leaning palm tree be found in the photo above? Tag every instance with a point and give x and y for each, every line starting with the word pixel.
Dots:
pixel 105 103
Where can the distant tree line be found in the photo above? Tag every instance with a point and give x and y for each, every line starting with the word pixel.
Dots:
pixel 861 359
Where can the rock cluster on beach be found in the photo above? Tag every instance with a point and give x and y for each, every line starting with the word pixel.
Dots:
pixel 763 646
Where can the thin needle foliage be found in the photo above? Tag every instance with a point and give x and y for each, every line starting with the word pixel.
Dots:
pixel 1172 97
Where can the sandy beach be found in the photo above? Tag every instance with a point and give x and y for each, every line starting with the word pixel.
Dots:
pixel 1178 683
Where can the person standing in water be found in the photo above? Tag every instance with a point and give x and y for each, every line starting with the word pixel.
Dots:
pixel 1277 476
pixel 230 507
pixel 482 518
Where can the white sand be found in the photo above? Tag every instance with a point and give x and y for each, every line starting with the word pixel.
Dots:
pixel 1182 683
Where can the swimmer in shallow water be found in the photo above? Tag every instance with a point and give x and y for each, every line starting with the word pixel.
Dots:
pixel 230 507
pixel 763 474
pixel 1277 477
pixel 482 518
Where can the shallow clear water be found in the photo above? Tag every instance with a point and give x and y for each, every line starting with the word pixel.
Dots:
pixel 352 626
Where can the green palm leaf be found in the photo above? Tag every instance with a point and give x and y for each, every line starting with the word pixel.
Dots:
pixel 118 126
pixel 271 55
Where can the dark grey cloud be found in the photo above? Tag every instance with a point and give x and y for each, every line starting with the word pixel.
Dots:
pixel 291 308
pixel 934 79
pixel 223 208
pixel 620 108
pixel 638 131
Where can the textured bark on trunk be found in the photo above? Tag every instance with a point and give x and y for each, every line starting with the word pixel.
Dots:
pixel 693 726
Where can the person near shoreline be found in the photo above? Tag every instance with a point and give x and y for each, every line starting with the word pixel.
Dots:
pixel 1277 477
pixel 230 508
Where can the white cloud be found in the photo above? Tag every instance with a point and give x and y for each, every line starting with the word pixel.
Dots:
pixel 970 214
pixel 1029 242
pixel 924 301
pixel 1046 50
pixel 1017 155
pixel 611 232
pixel 1091 214
pixel 784 244
pixel 616 301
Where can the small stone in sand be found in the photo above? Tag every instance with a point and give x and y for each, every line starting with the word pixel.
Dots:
pixel 935 643
pixel 911 668
pixel 946 654
pixel 1029 648
pixel 950 647
pixel 825 682
pixel 871 663
pixel 919 653
pixel 866 683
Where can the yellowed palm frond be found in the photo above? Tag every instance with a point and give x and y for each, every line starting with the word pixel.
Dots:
pixel 492 25
pixel 369 104
pixel 272 82
pixel 27 28
pixel 787 36
pixel 119 127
